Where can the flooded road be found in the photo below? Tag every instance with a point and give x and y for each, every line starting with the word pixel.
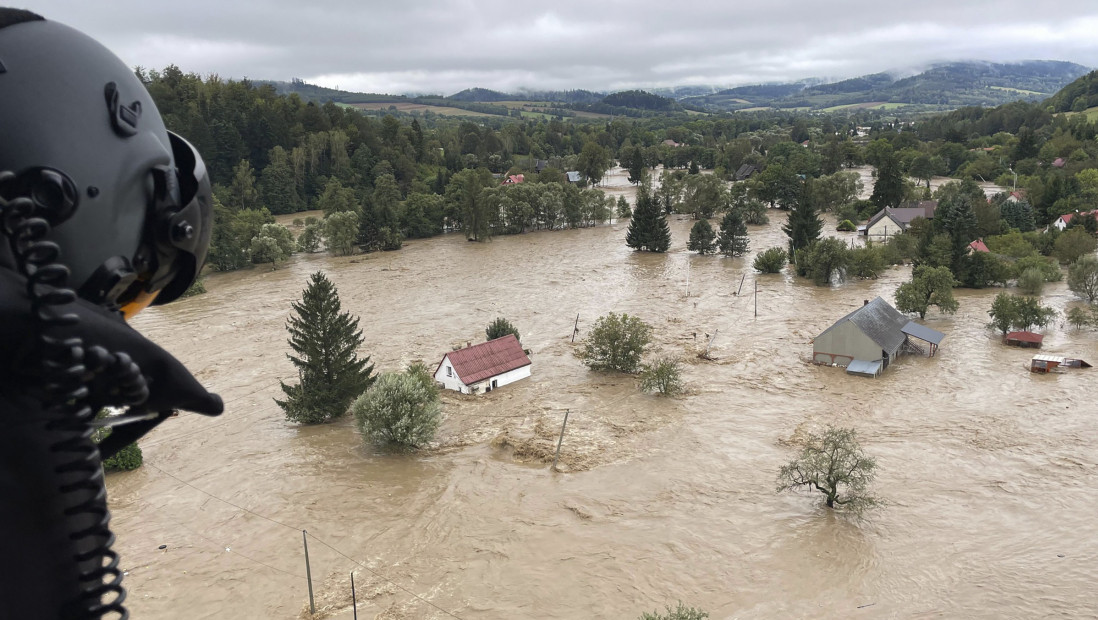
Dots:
pixel 989 472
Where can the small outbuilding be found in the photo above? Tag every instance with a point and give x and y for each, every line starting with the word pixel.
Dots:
pixel 1027 340
pixel 1052 363
pixel 483 367
pixel 867 340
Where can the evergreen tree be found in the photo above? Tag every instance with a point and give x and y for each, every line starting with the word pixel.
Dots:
pixel 276 186
pixel 324 340
pixel 732 240
pixel 635 164
pixel 888 191
pixel 701 238
pixel 804 224
pixel 648 230
pixel 1018 214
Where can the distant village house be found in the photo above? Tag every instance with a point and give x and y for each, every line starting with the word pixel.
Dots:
pixel 1064 220
pixel 889 221
pixel 483 367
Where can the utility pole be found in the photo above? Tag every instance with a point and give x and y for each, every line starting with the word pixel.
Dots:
pixel 308 572
pixel 561 440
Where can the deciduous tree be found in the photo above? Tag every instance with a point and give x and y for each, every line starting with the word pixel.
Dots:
pixel 929 286
pixel 400 409
pixel 1083 278
pixel 616 342
pixel 834 464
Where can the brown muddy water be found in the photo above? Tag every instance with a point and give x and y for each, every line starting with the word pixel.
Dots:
pixel 989 472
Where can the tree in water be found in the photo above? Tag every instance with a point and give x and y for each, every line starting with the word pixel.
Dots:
pixel 701 238
pixel 804 224
pixel 732 240
pixel 888 191
pixel 929 286
pixel 465 195
pixel 648 230
pixel 833 464
pixel 500 328
pixel 400 409
pixel 324 340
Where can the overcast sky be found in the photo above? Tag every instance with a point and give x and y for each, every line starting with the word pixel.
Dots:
pixel 443 46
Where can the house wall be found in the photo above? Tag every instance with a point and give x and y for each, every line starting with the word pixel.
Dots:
pixel 885 227
pixel 844 344
pixel 451 382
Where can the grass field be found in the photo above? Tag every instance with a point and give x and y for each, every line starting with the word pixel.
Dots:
pixel 1016 90
pixel 419 108
pixel 872 105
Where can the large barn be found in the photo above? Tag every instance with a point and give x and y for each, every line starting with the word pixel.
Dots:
pixel 483 367
pixel 874 335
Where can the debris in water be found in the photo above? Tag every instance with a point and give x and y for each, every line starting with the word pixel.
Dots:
pixel 162 547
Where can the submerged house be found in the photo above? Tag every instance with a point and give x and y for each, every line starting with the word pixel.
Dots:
pixel 889 221
pixel 867 340
pixel 483 367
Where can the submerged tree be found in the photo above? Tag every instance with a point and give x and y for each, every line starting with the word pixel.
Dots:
pixel 648 230
pixel 500 328
pixel 401 409
pixel 732 240
pixel 325 341
pixel 664 376
pixel 804 224
pixel 681 612
pixel 616 342
pixel 701 238
pixel 833 464
pixel 929 286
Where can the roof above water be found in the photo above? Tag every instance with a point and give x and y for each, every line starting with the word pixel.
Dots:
pixel 487 359
pixel 880 321
pixel 1025 337
pixel 862 367
pixel 922 332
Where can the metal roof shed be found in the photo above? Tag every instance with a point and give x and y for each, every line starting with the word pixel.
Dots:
pixel 1024 339
pixel 922 332
pixel 863 368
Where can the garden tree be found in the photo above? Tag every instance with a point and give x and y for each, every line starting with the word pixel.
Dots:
pixel 593 162
pixel 648 230
pixel 866 262
pixel 242 188
pixel 957 218
pixel 624 211
pixel 309 239
pixel 888 191
pixel 681 612
pixel 1047 267
pixel 1004 312
pixel 616 342
pixel 1083 317
pixel 824 259
pixel 834 464
pixel 703 195
pixel 273 244
pixel 922 168
pixel 400 409
pixel 1017 215
pixel 770 261
pixel 1072 244
pixel 732 239
pixel 929 286
pixel 1012 244
pixel 833 191
pixel 277 188
pixel 663 376
pixel 779 186
pixel 983 269
pixel 1015 312
pixel 1083 277
pixel 337 199
pixel 804 224
pixel 324 340
pixel 934 250
pixel 500 328
pixel 701 238
pixel 846 226
pixel 341 232
pixel 465 195
pixel 422 215
pixel 1031 281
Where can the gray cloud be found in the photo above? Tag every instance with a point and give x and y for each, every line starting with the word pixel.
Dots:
pixel 442 46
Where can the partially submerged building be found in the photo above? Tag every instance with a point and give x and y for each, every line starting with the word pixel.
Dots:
pixel 868 339
pixel 889 221
pixel 1024 339
pixel 1053 363
pixel 483 367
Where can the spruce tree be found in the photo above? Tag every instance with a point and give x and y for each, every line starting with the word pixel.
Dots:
pixel 888 191
pixel 732 240
pixel 804 223
pixel 701 238
pixel 648 230
pixel 324 340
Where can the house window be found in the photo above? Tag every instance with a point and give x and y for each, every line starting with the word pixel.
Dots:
pixel 449 371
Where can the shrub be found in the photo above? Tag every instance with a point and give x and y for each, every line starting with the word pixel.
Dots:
pixel 867 262
pixel 400 409
pixel 846 226
pixel 126 459
pixel 198 287
pixel 616 342
pixel 1031 281
pixel 500 328
pixel 309 239
pixel 1073 244
pixel 770 261
pixel 681 612
pixel 664 376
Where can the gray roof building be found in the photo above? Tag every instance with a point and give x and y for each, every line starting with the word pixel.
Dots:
pixel 876 332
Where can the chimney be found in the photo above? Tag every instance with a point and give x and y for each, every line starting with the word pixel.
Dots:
pixel 865 302
pixel 469 343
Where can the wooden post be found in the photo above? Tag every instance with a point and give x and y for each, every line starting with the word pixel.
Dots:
pixel 561 440
pixel 742 278
pixel 575 328
pixel 756 299
pixel 308 572
pixel 710 343
pixel 354 598
pixel 688 280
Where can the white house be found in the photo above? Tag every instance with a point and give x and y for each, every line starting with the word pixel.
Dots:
pixel 888 221
pixel 1062 222
pixel 483 367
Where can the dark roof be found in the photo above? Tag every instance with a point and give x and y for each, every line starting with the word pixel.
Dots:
pixel 922 332
pixel 880 321
pixel 540 164
pixel 746 171
pixel 1025 337
pixel 487 359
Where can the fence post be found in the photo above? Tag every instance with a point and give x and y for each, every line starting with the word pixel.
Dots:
pixel 561 440
pixel 575 328
pixel 308 572
pixel 354 599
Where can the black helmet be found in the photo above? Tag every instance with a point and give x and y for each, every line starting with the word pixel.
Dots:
pixel 129 201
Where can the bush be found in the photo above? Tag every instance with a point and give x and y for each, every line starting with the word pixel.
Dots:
pixel 400 409
pixel 1050 271
pixel 770 261
pixel 616 342
pixel 846 226
pixel 1031 281
pixel 1073 244
pixel 867 262
pixel 665 377
pixel 679 613
pixel 500 328
pixel 198 287
pixel 126 459
pixel 309 239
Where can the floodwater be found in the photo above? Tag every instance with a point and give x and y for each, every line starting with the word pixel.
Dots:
pixel 989 472
pixel 865 175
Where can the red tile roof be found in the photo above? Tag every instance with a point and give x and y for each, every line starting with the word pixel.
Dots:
pixel 514 178
pixel 978 246
pixel 487 359
pixel 1067 217
pixel 1025 337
